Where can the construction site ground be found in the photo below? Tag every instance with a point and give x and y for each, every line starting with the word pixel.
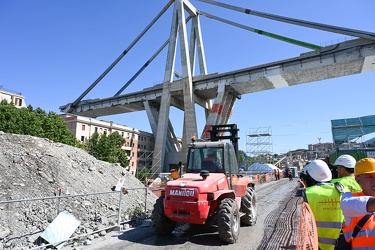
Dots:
pixel 278 210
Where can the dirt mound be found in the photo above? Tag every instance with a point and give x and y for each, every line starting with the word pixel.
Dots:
pixel 34 167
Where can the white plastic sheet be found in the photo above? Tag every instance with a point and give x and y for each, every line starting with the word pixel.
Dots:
pixel 61 228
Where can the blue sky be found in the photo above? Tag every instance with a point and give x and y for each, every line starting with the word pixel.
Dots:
pixel 52 51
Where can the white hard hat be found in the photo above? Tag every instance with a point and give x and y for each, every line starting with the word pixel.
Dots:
pixel 305 168
pixel 347 161
pixel 319 171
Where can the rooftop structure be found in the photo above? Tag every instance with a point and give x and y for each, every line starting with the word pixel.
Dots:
pixel 12 96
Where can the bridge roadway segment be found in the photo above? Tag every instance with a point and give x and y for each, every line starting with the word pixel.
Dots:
pixel 347 58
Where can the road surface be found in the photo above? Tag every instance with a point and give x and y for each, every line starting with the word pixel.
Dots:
pixel 276 228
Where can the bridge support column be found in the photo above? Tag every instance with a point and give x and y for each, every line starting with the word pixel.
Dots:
pixel 190 120
pixel 221 109
pixel 152 115
pixel 172 143
pixel 178 29
pixel 161 132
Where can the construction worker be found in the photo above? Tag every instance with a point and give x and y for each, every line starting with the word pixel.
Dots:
pixel 345 167
pixel 359 208
pixel 324 200
pixel 212 157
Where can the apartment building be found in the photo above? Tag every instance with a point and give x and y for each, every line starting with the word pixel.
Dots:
pixel 12 97
pixel 139 145
pixel 321 150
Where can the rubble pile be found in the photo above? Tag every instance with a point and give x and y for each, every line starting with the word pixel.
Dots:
pixel 33 167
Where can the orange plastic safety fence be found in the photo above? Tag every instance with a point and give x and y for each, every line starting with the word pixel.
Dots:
pixel 307 238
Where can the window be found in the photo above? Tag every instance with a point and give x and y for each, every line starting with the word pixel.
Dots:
pixel 83 127
pixel 232 161
pixel 82 138
pixel 18 102
pixel 96 129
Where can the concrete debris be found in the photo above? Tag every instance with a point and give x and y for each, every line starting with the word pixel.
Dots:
pixel 34 167
pixel 4 233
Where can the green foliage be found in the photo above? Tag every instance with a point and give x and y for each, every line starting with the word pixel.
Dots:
pixel 241 157
pixel 108 148
pixel 136 213
pixel 79 144
pixel 27 121
pixel 143 174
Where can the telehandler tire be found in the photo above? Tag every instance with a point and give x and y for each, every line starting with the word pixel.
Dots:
pixel 249 208
pixel 228 221
pixel 161 223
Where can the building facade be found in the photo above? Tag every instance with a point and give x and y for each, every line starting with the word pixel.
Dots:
pixel 139 145
pixel 12 97
pixel 321 150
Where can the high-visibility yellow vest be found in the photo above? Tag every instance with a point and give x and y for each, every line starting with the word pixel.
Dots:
pixel 350 183
pixel 324 200
pixel 365 238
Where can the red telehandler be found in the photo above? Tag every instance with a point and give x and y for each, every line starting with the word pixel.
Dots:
pixel 212 191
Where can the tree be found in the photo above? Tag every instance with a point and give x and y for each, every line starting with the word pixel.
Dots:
pixel 39 123
pixel 143 174
pixel 244 159
pixel 8 118
pixel 27 121
pixel 56 130
pixel 108 148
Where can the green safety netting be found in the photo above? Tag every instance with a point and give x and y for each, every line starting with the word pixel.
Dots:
pixel 350 129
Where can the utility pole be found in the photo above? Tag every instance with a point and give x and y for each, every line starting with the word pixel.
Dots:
pixel 319 147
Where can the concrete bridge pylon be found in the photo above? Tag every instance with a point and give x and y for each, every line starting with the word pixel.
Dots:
pixel 166 143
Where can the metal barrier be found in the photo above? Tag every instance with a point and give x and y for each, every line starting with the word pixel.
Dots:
pixel 307 238
pixel 260 178
pixel 45 213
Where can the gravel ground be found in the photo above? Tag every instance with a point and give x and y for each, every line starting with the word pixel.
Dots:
pixel 276 227
pixel 35 167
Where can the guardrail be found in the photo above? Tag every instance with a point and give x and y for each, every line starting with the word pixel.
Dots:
pixel 260 178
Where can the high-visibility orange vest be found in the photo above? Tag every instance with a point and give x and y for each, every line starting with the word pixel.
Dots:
pixel 365 239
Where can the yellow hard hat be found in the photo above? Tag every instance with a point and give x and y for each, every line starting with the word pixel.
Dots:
pixel 365 166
